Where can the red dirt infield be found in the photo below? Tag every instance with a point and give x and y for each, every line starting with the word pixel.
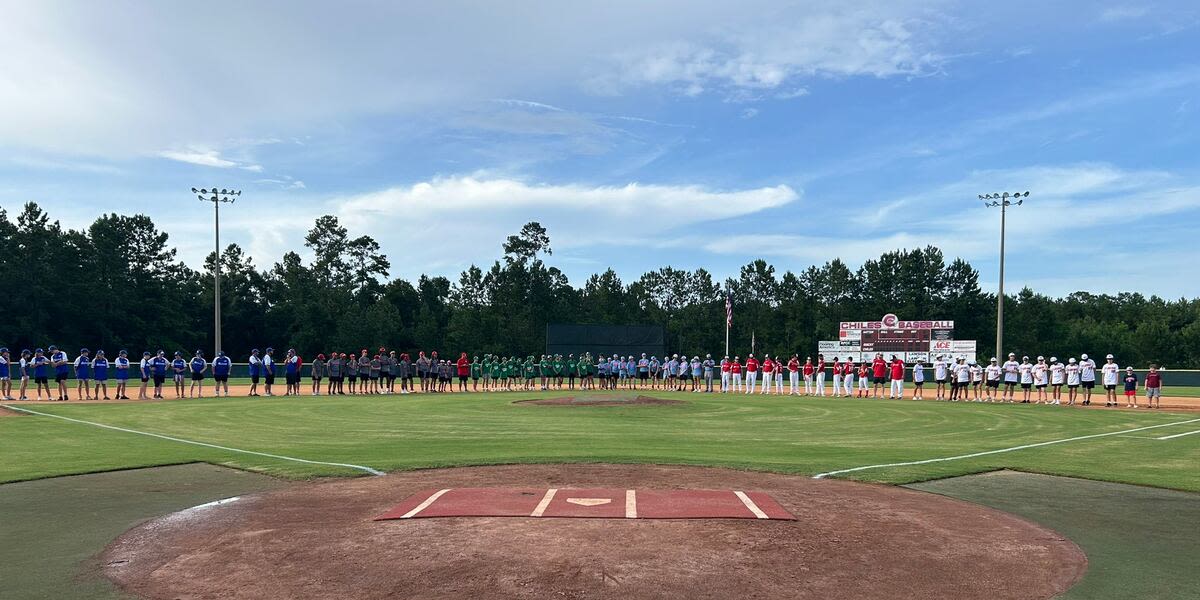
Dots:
pixel 596 503
pixel 849 541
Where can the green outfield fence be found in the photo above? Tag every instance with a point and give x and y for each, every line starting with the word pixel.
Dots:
pixel 1186 377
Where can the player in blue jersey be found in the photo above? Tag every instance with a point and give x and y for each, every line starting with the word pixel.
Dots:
pixel 121 366
pixel 221 365
pixel 100 374
pixel 41 373
pixel 178 370
pixel 197 367
pixel 83 374
pixel 62 370
pixel 159 372
pixel 255 366
pixel 268 366
pixel 5 375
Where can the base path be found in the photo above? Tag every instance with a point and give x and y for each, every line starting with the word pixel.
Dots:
pixel 605 503
pixel 849 540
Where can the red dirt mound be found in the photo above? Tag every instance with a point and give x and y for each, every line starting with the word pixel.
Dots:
pixel 850 540
pixel 599 401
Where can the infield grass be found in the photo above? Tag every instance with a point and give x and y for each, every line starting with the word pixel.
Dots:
pixel 772 433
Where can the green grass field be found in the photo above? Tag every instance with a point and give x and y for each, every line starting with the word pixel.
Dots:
pixel 788 435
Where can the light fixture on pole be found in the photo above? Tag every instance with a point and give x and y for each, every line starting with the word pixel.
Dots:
pixel 217 197
pixel 1003 200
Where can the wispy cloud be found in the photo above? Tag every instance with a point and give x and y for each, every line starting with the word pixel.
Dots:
pixel 205 158
pixel 1123 13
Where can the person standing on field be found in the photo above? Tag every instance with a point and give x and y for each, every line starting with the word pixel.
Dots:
pixel 878 373
pixel 1041 377
pixel 1111 375
pixel 809 372
pixel 1154 387
pixel 837 376
pixel 918 379
pixel 1025 370
pixel 1087 377
pixel 768 371
pixel 940 372
pixel 751 373
pixel 848 375
pixel 1011 369
pixel 994 374
pixel 1058 373
pixel 221 366
pixel 709 366
pixel 198 366
pixel 735 374
pixel 897 378
pixel 1131 383
pixel 23 367
pixel 268 366
pixel 100 374
pixel 121 366
pixel 820 375
pixel 255 371
pixel 1074 374
pixel 5 375
pixel 83 375
pixel 317 373
pixel 793 367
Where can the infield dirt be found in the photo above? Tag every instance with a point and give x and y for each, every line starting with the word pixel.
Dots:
pixel 850 540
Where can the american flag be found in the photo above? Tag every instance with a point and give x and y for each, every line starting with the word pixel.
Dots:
pixel 728 310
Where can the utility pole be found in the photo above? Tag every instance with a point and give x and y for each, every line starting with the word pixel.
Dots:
pixel 217 197
pixel 991 201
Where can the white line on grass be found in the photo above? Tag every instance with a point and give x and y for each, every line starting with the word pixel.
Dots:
pixel 1171 437
pixel 205 444
pixel 1000 451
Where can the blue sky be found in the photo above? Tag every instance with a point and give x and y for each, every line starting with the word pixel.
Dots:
pixel 682 133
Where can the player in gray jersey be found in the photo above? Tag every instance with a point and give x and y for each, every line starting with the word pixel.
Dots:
pixel 334 366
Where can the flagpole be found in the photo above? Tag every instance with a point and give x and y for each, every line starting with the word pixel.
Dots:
pixel 726 338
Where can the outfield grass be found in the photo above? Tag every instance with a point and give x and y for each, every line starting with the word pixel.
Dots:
pixel 781 434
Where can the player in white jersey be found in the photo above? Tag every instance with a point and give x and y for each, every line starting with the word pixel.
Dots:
pixel 976 381
pixel 1025 370
pixel 918 379
pixel 1073 378
pixel 993 372
pixel 1111 376
pixel 1011 369
pixel 1058 375
pixel 962 381
pixel 1041 376
pixel 1087 377
pixel 940 372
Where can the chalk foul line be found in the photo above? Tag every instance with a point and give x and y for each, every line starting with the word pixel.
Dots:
pixel 195 443
pixel 1000 451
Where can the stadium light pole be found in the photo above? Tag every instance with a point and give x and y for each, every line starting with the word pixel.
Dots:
pixel 1003 201
pixel 217 197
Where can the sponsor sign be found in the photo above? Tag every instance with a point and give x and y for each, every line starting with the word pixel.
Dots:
pixel 963 346
pixel 850 334
pixel 941 334
pixel 913 357
pixel 828 346
pixel 941 347
pixel 890 321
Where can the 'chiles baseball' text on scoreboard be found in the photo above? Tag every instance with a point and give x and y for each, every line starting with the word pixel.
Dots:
pixel 907 340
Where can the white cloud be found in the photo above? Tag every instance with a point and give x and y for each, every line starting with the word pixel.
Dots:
pixel 206 158
pixel 817 39
pixel 1123 13
pixel 445 224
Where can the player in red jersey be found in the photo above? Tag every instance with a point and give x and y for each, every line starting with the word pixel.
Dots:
pixel 735 371
pixel 864 379
pixel 809 371
pixel 878 372
pixel 848 376
pixel 820 374
pixel 751 373
pixel 794 376
pixel 897 376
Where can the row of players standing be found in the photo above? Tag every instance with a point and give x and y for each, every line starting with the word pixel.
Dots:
pixel 970 381
pixel 92 374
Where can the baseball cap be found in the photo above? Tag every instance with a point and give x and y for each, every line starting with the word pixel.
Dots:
pixel 1108 357
pixel 1040 357
pixel 146 353
pixel 1012 354
pixel 123 352
pixel 1053 359
pixel 3 350
pixel 1083 356
pixel 83 350
pixel 1129 368
pixel 1072 361
pixel 993 359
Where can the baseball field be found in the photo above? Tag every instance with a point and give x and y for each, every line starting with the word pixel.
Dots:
pixel 1120 488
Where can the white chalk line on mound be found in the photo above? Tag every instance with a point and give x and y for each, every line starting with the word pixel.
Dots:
pixel 1000 451
pixel 195 443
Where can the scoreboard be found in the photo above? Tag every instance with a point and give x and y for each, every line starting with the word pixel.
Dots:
pixel 909 340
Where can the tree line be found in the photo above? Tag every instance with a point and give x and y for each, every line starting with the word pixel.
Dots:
pixel 119 284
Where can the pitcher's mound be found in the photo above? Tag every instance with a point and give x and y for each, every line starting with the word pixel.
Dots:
pixel 850 540
pixel 599 401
